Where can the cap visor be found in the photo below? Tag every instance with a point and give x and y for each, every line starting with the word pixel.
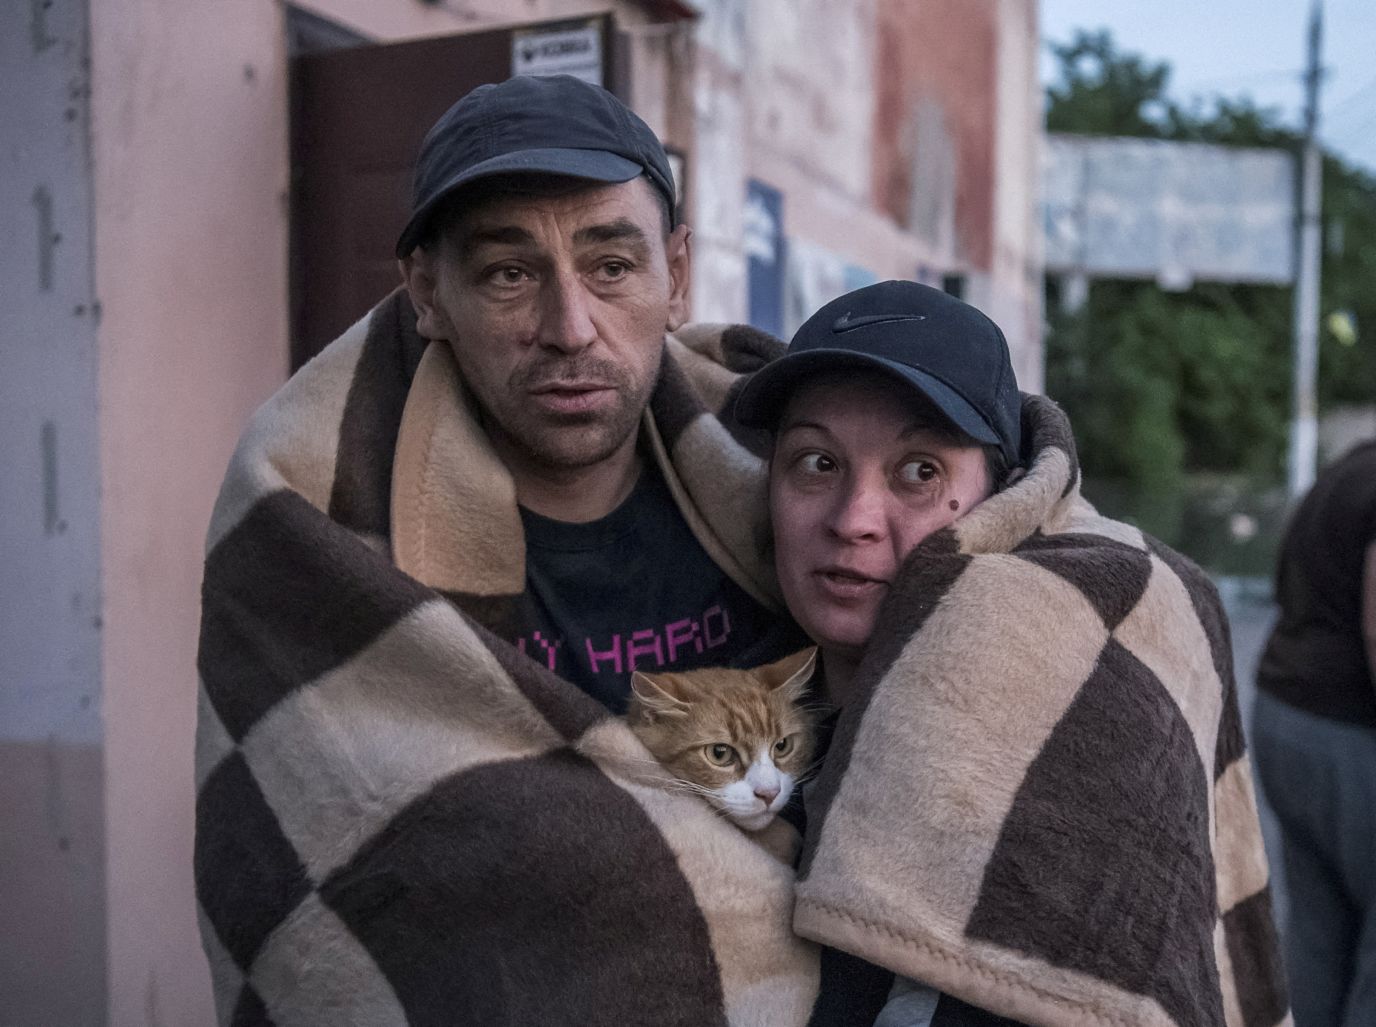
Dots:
pixel 761 401
pixel 594 165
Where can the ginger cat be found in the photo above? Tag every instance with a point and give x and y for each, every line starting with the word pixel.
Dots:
pixel 739 738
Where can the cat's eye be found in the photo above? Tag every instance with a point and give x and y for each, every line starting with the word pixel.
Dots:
pixel 783 746
pixel 720 754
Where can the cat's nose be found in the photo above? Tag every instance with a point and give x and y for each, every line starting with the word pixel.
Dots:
pixel 767 795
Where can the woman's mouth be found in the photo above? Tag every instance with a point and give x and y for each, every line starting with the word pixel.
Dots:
pixel 846 584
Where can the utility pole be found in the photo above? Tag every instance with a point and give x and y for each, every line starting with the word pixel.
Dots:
pixel 1304 429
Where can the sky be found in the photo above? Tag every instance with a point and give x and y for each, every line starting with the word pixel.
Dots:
pixel 1251 47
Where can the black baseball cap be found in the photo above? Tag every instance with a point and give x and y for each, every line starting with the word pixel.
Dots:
pixel 555 124
pixel 946 349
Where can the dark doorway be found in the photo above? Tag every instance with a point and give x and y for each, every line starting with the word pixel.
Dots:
pixel 358 114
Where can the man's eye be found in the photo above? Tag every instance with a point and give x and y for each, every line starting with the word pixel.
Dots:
pixel 918 472
pixel 614 269
pixel 507 275
pixel 816 463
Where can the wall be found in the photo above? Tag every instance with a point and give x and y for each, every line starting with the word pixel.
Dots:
pixel 189 145
pixel 1012 292
pixel 902 137
pixel 52 946
pixel 189 128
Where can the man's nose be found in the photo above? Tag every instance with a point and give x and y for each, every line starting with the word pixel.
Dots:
pixel 566 315
pixel 859 511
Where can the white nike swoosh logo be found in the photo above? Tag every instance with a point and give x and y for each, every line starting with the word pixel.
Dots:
pixel 846 322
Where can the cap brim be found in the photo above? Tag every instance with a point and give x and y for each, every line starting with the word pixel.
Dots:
pixel 761 401
pixel 594 165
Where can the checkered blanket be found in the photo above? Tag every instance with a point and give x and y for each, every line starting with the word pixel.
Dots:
pixel 1040 800
pixel 401 819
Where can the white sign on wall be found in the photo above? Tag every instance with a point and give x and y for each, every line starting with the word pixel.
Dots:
pixel 571 49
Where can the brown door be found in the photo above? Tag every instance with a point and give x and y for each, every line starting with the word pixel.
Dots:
pixel 357 119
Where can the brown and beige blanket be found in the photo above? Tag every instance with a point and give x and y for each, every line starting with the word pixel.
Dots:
pixel 1041 806
pixel 400 818
pixel 1040 800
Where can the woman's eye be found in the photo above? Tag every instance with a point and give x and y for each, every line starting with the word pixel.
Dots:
pixel 816 463
pixel 918 472
pixel 783 746
pixel 720 753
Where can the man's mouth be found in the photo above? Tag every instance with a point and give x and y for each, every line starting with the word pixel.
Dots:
pixel 571 397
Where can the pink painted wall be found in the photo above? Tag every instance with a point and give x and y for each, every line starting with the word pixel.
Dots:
pixel 189 151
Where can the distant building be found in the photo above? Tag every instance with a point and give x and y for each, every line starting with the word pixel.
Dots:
pixel 198 194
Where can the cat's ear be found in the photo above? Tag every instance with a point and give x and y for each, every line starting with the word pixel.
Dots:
pixel 656 698
pixel 791 674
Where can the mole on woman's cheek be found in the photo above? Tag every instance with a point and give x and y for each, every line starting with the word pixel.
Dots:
pixel 955 504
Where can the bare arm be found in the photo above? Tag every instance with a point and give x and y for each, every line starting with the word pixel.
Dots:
pixel 1369 610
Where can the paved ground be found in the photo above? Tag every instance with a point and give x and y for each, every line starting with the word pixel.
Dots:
pixel 1251 613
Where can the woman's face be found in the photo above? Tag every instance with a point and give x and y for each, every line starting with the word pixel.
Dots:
pixel 856 482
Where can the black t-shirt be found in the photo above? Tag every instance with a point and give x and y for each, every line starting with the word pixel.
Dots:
pixel 1316 659
pixel 635 590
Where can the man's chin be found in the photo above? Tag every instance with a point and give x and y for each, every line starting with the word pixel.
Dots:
pixel 577 444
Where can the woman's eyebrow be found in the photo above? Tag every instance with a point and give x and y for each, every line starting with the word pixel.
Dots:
pixel 937 432
pixel 797 425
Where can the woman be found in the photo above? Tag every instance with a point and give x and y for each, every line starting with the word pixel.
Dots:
pixel 1036 799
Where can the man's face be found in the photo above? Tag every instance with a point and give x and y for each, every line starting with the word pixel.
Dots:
pixel 556 308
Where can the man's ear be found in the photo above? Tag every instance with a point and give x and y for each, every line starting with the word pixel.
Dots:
pixel 678 248
pixel 419 274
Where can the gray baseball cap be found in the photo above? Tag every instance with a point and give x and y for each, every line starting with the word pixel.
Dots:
pixel 946 349
pixel 554 124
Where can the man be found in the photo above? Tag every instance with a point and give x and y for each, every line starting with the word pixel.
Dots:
pixel 1315 732
pixel 400 818
pixel 552 268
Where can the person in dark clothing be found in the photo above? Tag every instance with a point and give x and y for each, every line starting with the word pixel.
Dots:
pixel 1315 742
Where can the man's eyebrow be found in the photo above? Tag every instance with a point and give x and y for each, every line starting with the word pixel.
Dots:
pixel 495 235
pixel 622 229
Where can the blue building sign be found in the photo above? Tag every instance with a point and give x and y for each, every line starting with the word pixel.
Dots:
pixel 764 251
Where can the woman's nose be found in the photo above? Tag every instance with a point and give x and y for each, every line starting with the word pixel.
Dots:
pixel 859 512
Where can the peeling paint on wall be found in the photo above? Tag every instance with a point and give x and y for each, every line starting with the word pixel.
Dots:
pixel 47 239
